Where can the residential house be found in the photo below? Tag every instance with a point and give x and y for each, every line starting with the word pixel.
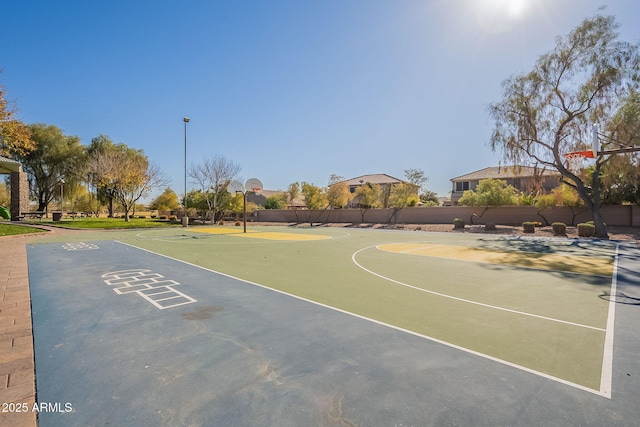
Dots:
pixel 524 178
pixel 382 179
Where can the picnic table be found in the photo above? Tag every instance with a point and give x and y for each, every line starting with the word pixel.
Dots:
pixel 31 215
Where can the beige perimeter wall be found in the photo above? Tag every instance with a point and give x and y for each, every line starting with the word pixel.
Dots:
pixel 506 215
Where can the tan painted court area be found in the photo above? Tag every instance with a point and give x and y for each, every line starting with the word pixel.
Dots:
pixel 267 235
pixel 602 265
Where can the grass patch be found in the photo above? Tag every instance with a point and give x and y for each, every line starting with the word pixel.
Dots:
pixel 14 230
pixel 113 223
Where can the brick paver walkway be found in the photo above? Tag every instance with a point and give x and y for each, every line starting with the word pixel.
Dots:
pixel 17 375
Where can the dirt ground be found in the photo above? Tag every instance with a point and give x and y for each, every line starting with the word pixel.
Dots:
pixel 615 233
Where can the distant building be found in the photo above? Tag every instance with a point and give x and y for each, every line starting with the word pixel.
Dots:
pixel 524 178
pixel 260 198
pixel 382 179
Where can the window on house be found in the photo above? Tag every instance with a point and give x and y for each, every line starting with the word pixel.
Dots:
pixel 462 185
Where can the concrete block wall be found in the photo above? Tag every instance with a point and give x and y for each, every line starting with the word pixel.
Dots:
pixel 505 215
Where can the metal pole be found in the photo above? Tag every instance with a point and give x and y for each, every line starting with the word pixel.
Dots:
pixel 244 211
pixel 61 197
pixel 185 218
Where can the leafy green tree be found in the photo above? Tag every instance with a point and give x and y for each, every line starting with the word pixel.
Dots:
pixel 5 195
pixel 277 201
pixel 196 199
pixel 489 193
pixel 542 202
pixel 338 195
pixel 586 80
pixel 293 191
pixel 91 170
pixel 368 197
pixel 54 158
pixel 402 195
pixel 567 196
pixel 315 198
pixel 621 179
pixel 167 201
pixel 429 198
pixel 127 175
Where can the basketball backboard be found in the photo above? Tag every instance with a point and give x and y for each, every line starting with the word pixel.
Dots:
pixel 235 187
pixel 253 184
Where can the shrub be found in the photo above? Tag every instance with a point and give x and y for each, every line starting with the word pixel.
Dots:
pixel 529 227
pixel 163 217
pixel 173 218
pixel 559 228
pixel 142 216
pixel 238 223
pixel 153 216
pixel 586 230
pixel 221 222
pixel 458 223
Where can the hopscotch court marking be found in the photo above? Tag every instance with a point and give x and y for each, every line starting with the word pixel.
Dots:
pixel 149 286
pixel 79 246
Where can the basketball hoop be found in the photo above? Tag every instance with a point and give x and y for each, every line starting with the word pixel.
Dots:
pixel 575 159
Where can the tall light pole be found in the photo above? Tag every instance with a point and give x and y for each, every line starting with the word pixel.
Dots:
pixel 185 218
pixel 62 182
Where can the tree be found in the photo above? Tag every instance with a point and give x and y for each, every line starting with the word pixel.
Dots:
pixel 368 196
pixel 402 195
pixel 126 174
pixel 53 159
pixel 429 198
pixel 99 188
pixel 338 195
pixel 167 201
pixel 314 197
pixel 568 196
pixel 15 136
pixel 5 195
pixel 213 176
pixel 293 191
pixel 586 80
pixel 416 177
pixel 277 201
pixel 488 193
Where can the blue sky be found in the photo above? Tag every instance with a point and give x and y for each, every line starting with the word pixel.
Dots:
pixel 290 90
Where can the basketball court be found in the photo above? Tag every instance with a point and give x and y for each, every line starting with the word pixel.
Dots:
pixel 302 326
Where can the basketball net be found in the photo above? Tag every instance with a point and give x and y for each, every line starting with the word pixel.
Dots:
pixel 575 160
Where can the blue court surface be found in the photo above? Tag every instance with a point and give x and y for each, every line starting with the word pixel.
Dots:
pixel 128 337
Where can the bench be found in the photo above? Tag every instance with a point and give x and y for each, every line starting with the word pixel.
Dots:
pixel 31 215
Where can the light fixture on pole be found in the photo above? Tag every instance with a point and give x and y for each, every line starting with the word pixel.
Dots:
pixel 185 218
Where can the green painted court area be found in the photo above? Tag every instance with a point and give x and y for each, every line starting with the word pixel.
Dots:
pixel 535 304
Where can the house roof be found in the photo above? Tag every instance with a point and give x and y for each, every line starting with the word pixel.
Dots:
pixel 8 166
pixel 505 172
pixel 380 178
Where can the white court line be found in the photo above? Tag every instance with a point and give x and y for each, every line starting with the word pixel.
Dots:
pixel 388 325
pixel 408 251
pixel 606 378
pixel 524 313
